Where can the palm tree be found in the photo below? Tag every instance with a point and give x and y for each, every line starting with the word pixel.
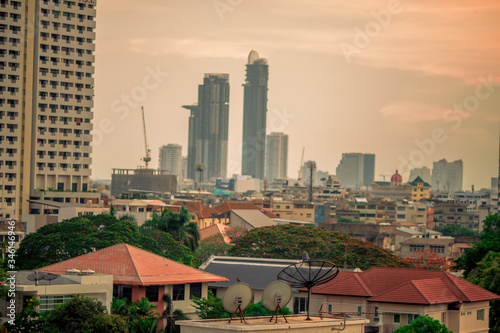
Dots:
pixel 177 225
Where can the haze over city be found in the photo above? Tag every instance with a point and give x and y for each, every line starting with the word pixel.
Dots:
pixel 369 76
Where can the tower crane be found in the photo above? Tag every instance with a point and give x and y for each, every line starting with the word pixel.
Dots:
pixel 146 158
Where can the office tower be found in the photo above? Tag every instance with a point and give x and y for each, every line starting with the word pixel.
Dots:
pixel 208 128
pixel 447 176
pixel 276 156
pixel 368 169
pixel 356 169
pixel 423 172
pixel 170 159
pixel 254 117
pixel 46 98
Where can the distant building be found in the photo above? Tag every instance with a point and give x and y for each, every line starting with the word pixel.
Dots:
pixel 305 172
pixel 208 128
pixel 170 159
pixel 254 117
pixel 447 176
pixel 420 189
pixel 184 167
pixel 356 169
pixel 395 189
pixel 423 172
pixel 276 156
pixel 142 180
pixel 368 169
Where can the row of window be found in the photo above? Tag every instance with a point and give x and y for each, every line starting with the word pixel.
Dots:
pixel 68 15
pixel 66 61
pixel 68 4
pixel 153 294
pixel 65 108
pixel 66 26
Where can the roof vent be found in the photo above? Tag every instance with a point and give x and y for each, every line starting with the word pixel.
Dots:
pixel 88 272
pixel 73 271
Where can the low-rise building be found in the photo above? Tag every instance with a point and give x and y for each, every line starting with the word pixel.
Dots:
pixel 391 298
pixel 442 246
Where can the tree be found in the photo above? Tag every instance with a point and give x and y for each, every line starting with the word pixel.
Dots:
pixel 487 275
pixel 289 242
pixel 258 309
pixel 80 235
pixel 341 219
pixel 28 319
pixel 451 230
pixel 210 307
pixel 172 315
pixel 423 324
pixel 490 241
pixel 177 225
pixel 426 259
pixel 213 245
pixel 82 314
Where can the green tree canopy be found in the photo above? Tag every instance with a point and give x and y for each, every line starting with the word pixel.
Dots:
pixel 423 325
pixel 487 275
pixel 177 225
pixel 451 230
pixel 289 242
pixel 490 241
pixel 80 235
pixel 82 314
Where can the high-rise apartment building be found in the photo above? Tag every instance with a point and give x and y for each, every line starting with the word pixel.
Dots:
pixel 423 172
pixel 170 159
pixel 447 176
pixel 356 169
pixel 368 169
pixel 208 128
pixel 46 100
pixel 254 117
pixel 276 156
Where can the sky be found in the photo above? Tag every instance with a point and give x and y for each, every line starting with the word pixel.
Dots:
pixel 410 81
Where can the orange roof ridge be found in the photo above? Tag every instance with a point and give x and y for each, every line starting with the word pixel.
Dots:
pixel 362 283
pixel 133 262
pixel 420 291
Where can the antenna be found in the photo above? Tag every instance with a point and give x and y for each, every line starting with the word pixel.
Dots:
pixel 275 294
pixel 301 162
pixel 236 299
pixel 38 276
pixel 308 274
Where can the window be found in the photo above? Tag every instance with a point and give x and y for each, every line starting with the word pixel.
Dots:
pixel 397 318
pixel 299 305
pixel 411 317
pixel 359 311
pixel 178 292
pixel 330 308
pixel 122 291
pixel 152 293
pixel 443 318
pixel 50 302
pixel 480 314
pixel 375 316
pixel 195 290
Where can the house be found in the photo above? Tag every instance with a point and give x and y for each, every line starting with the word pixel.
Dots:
pixel 442 246
pixel 227 233
pixel 392 297
pixel 141 210
pixel 225 208
pixel 203 215
pixel 420 189
pixel 138 273
pixel 59 288
pixel 257 272
pixel 249 219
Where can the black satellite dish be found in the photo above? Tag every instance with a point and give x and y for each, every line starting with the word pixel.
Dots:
pixel 308 274
pixel 38 276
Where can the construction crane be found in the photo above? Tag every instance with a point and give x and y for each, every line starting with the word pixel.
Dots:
pixel 301 162
pixel 147 158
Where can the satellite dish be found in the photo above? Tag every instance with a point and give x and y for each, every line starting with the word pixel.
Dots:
pixel 236 299
pixel 275 294
pixel 308 274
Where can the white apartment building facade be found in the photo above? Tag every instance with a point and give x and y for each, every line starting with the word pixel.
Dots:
pixel 276 156
pixel 170 159
pixel 46 101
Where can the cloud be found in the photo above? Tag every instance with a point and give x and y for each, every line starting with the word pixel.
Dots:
pixel 409 112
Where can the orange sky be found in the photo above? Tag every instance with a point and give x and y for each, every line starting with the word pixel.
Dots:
pixel 361 76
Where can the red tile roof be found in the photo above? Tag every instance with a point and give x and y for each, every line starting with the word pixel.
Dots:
pixel 226 207
pixel 133 266
pixel 201 210
pixel 215 229
pixel 414 286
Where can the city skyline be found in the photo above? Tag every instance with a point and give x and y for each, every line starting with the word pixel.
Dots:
pixel 390 97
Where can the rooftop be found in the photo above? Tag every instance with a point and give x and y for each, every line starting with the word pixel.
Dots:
pixel 133 266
